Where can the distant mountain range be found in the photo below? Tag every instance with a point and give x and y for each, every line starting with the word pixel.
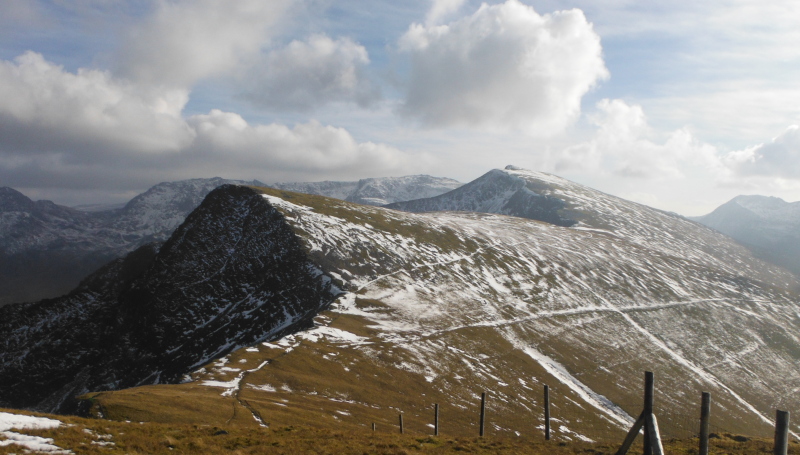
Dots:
pixel 46 249
pixel 769 226
pixel 376 191
pixel 287 308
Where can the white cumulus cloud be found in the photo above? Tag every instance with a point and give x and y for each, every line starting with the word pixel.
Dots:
pixel 625 145
pixel 308 74
pixel 89 129
pixel 442 8
pixel 306 147
pixel 187 40
pixel 779 157
pixel 504 67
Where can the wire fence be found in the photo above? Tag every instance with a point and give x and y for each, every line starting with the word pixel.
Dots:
pixel 681 424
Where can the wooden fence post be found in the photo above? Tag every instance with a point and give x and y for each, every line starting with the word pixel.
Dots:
pixel 651 427
pixel 647 420
pixel 705 413
pixel 401 423
pixel 781 433
pixel 483 411
pixel 373 426
pixel 436 419
pixel 547 413
pixel 634 431
pixel 649 391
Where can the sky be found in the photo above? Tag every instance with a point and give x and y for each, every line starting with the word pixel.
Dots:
pixel 678 105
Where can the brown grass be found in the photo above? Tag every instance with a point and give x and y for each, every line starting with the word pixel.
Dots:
pixel 160 438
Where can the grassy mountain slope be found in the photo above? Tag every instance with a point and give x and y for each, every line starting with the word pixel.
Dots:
pixel 442 306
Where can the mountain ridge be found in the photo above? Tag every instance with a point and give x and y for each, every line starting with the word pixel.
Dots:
pixel 494 192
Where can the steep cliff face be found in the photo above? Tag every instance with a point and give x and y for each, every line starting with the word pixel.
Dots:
pixel 231 275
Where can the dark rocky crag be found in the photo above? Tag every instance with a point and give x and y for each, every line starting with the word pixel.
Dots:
pixel 234 273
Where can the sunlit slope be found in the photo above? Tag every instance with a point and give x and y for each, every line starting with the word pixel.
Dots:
pixel 442 306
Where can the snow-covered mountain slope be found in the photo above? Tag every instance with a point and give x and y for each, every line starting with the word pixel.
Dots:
pixel 154 214
pixel 231 275
pixel 441 306
pixel 377 191
pixel 498 192
pixel 546 197
pixel 769 226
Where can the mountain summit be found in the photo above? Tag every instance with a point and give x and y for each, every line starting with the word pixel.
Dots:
pixel 769 226
pixel 501 192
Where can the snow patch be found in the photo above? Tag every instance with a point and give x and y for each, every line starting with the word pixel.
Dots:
pixel 588 395
pixel 263 387
pixel 23 422
pixel 33 443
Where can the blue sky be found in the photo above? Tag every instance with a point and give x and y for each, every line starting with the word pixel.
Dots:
pixel 678 105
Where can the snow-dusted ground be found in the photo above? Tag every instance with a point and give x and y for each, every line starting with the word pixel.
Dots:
pixel 626 290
